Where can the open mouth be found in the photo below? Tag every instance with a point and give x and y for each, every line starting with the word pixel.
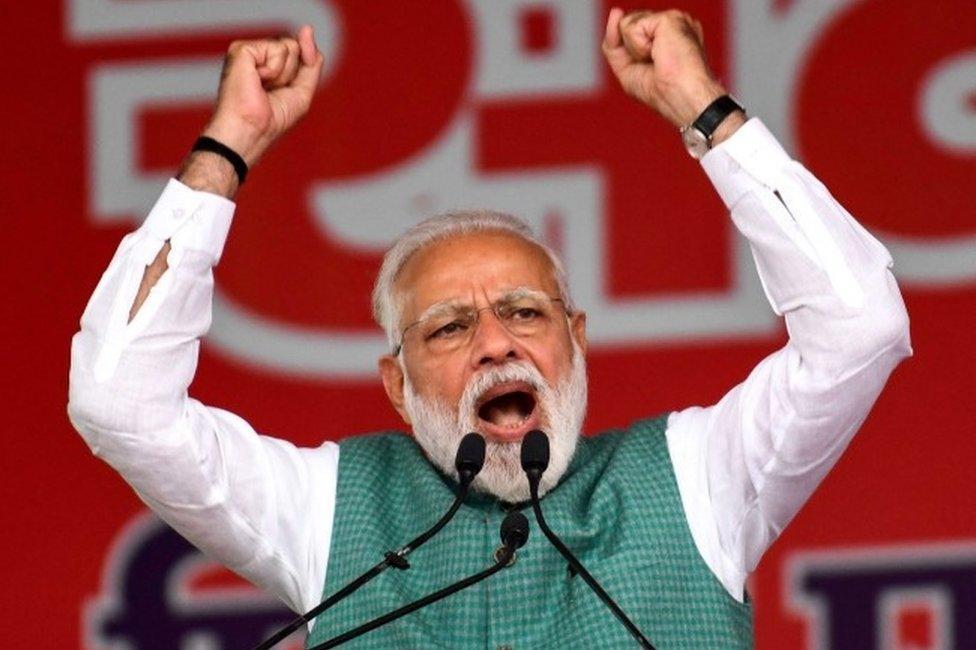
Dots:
pixel 508 411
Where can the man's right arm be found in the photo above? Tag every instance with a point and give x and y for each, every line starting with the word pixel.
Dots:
pixel 203 171
pixel 243 498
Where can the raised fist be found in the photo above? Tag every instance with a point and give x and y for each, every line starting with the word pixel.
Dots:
pixel 265 88
pixel 659 60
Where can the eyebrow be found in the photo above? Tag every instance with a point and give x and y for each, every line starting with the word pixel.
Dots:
pixel 453 304
pixel 524 292
pixel 440 308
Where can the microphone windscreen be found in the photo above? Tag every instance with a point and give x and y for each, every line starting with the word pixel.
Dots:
pixel 470 454
pixel 515 530
pixel 535 451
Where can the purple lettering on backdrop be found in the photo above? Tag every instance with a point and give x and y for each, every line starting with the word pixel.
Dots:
pixel 844 595
pixel 144 606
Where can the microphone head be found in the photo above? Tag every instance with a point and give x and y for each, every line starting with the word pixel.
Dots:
pixel 470 456
pixel 535 452
pixel 515 530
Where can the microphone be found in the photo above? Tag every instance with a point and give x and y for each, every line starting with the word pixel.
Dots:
pixel 468 462
pixel 514 533
pixel 535 459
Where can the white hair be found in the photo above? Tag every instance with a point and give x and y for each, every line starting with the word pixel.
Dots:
pixel 387 305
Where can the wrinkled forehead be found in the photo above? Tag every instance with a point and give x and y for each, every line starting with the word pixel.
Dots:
pixel 473 268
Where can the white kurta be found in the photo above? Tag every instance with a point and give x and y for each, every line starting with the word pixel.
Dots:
pixel 265 507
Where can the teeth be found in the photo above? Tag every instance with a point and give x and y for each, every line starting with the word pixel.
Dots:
pixel 510 419
pixel 514 425
pixel 507 419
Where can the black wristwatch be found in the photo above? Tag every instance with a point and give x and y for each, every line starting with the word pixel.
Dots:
pixel 697 136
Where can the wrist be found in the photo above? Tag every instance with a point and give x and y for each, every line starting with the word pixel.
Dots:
pixel 717 122
pixel 691 100
pixel 728 127
pixel 205 171
pixel 248 142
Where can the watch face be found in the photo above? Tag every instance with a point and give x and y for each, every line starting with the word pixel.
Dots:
pixel 695 142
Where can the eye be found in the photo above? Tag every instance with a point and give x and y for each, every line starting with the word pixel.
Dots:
pixel 525 313
pixel 447 331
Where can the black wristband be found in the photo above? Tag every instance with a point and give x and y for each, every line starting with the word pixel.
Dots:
pixel 204 143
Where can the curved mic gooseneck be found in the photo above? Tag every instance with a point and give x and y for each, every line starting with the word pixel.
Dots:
pixel 468 462
pixel 535 460
pixel 514 533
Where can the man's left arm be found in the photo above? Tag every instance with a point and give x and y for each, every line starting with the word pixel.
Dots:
pixel 747 464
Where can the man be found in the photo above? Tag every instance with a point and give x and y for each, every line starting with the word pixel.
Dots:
pixel 670 514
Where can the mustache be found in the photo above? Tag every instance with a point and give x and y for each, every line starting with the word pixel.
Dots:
pixel 511 371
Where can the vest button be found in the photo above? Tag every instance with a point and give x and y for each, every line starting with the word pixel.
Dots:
pixel 498 556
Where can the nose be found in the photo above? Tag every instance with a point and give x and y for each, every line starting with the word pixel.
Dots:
pixel 492 343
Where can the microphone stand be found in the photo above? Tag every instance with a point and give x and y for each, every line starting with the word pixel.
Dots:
pixel 581 570
pixel 535 460
pixel 470 458
pixel 514 532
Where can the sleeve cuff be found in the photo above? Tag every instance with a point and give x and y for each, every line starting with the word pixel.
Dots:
pixel 191 219
pixel 751 154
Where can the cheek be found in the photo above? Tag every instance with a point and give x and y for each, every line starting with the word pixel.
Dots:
pixel 554 361
pixel 444 382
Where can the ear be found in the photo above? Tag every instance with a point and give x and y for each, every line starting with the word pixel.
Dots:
pixel 577 329
pixel 392 374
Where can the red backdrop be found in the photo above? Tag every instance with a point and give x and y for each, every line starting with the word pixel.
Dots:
pixel 505 104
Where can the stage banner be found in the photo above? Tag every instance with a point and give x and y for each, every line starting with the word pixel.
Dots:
pixel 428 105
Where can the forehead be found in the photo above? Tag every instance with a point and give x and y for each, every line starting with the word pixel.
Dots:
pixel 471 266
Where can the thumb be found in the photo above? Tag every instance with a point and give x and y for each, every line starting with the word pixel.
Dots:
pixel 613 43
pixel 307 77
pixel 612 39
pixel 306 42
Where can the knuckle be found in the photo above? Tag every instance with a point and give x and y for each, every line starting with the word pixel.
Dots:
pixel 630 18
pixel 674 17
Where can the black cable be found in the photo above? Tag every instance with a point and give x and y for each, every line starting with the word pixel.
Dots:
pixel 534 477
pixel 500 564
pixel 396 559
pixel 514 533
pixel 468 462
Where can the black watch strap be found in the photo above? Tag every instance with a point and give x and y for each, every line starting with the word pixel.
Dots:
pixel 712 116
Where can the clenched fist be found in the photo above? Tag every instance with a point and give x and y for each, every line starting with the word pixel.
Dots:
pixel 659 59
pixel 265 88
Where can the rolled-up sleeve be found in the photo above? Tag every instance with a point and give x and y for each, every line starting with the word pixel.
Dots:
pixel 747 464
pixel 241 497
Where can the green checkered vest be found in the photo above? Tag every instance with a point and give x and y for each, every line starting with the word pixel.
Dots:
pixel 617 508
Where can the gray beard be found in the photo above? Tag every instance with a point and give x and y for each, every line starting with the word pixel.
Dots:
pixel 439 430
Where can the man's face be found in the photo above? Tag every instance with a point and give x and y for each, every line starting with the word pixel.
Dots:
pixel 500 377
